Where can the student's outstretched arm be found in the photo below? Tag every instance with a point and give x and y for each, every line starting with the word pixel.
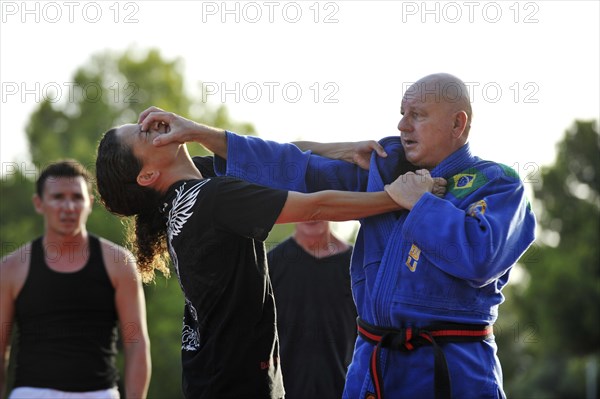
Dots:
pixel 333 205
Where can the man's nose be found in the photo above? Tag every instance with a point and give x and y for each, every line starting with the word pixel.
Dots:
pixel 403 125
pixel 69 204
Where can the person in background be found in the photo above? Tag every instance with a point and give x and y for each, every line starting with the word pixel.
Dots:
pixel 316 316
pixel 68 292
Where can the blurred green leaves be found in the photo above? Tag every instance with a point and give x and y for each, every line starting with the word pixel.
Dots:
pixel 559 296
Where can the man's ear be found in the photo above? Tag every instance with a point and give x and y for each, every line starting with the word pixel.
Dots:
pixel 37 204
pixel 460 123
pixel 147 177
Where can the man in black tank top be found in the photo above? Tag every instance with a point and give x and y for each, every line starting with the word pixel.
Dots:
pixel 68 292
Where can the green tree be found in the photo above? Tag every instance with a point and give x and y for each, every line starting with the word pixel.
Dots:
pixel 110 89
pixel 558 302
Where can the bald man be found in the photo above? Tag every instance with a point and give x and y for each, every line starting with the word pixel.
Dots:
pixel 426 281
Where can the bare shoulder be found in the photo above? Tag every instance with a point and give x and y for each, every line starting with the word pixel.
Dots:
pixel 119 261
pixel 14 268
pixel 115 254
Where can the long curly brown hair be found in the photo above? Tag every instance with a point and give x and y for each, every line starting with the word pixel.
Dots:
pixel 117 169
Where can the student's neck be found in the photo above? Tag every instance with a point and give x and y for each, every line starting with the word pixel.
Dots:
pixel 183 169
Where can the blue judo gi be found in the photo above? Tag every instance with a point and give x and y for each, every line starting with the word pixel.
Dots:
pixel 445 261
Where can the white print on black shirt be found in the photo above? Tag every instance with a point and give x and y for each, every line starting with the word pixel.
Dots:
pixel 178 215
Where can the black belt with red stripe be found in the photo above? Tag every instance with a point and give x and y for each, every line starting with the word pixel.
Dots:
pixel 408 339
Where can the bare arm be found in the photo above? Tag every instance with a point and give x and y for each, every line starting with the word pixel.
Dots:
pixel 13 273
pixel 131 310
pixel 332 205
pixel 358 152
pixel 182 130
pixel 7 311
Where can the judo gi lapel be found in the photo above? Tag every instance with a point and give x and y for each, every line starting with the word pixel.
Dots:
pixel 383 232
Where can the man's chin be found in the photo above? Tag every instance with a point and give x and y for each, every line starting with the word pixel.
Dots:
pixel 411 157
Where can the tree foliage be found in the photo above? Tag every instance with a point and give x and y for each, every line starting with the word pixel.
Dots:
pixel 559 300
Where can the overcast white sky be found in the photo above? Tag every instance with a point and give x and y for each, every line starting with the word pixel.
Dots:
pixel 327 71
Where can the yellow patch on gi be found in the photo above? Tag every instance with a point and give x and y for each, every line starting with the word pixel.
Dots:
pixel 413 258
pixel 464 180
pixel 477 207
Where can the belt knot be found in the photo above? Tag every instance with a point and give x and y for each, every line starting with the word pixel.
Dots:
pixel 404 340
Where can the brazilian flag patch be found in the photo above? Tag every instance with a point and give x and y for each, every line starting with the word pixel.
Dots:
pixel 464 183
pixel 463 180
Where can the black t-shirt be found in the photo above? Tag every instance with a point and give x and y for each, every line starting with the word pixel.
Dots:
pixel 215 231
pixel 316 320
